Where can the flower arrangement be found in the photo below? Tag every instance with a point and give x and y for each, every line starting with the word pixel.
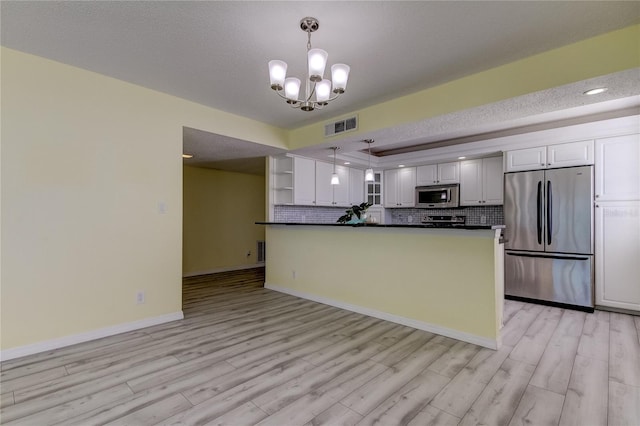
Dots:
pixel 355 210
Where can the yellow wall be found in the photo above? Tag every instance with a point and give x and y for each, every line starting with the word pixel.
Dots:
pixel 444 278
pixel 85 161
pixel 220 209
pixel 601 55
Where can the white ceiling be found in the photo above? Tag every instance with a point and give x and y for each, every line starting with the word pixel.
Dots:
pixel 216 52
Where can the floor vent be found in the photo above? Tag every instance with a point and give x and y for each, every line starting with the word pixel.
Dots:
pixel 261 251
pixel 345 125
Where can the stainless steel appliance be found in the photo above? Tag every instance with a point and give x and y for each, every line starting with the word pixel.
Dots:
pixel 444 221
pixel 440 196
pixel 549 235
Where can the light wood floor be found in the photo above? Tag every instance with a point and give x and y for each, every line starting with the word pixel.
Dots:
pixel 245 355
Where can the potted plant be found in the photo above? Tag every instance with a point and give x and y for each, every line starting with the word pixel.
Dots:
pixel 357 211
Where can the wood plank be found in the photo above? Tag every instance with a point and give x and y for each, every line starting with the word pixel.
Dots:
pixel 457 397
pixel 6 399
pixel 624 404
pixel 454 360
pixel 624 355
pixel 498 401
pixel 554 369
pixel 594 341
pixel 584 403
pixel 245 414
pixel 32 379
pixel 432 416
pixel 538 407
pixel 637 321
pixel 402 348
pixel 531 346
pixel 405 404
pixel 153 413
pixel 517 325
pixel 336 415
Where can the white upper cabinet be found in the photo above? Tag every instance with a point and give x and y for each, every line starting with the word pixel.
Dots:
pixel 617 169
pixel 481 182
pixel 341 191
pixel 304 181
pixel 324 189
pixel 552 156
pixel 400 187
pixel 356 186
pixel 434 174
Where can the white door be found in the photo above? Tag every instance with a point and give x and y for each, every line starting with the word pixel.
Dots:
pixel 449 173
pixel 526 159
pixel 617 169
pixel 492 181
pixel 427 175
pixel 324 189
pixel 356 186
pixel 570 154
pixel 407 186
pixel 304 181
pixel 341 191
pixel 617 254
pixel 390 184
pixel 471 182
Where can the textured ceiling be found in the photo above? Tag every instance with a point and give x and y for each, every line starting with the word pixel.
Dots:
pixel 216 52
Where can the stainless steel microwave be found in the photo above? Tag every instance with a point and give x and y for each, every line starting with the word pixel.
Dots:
pixel 438 196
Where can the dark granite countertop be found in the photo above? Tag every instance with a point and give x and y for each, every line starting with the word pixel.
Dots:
pixel 377 225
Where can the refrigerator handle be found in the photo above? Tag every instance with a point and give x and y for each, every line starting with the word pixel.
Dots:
pixel 549 210
pixel 539 212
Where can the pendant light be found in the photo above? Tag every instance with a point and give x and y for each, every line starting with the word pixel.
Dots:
pixel 368 174
pixel 335 180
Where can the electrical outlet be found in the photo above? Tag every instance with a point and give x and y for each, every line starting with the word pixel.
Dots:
pixel 140 297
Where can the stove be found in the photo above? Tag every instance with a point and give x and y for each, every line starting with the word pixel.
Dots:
pixel 444 221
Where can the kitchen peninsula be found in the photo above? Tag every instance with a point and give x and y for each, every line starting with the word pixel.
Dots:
pixel 445 280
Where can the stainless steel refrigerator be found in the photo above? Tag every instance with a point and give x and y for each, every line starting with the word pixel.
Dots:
pixel 549 235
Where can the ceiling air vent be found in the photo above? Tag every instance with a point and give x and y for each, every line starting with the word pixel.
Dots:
pixel 341 126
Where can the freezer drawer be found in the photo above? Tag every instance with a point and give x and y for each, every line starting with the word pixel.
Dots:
pixel 549 277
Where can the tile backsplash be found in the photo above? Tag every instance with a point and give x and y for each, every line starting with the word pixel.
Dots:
pixel 493 215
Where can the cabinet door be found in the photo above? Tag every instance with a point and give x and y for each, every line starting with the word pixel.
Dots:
pixel 427 175
pixel 570 154
pixel 449 173
pixel 617 168
pixel 492 181
pixel 471 182
pixel 390 185
pixel 324 189
pixel 617 251
pixel 304 181
pixel 341 191
pixel 526 159
pixel 356 186
pixel 407 186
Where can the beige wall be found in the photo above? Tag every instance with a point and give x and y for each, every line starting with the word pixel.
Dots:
pixel 220 209
pixel 86 159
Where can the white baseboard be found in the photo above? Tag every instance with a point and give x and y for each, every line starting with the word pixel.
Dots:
pixel 61 342
pixel 420 325
pixel 224 269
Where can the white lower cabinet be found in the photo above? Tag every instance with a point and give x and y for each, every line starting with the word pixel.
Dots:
pixel 617 254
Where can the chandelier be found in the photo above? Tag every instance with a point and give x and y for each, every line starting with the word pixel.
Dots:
pixel 288 88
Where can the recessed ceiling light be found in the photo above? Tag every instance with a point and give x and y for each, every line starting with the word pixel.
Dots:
pixel 596 91
pixel 187 156
pixel 346 163
pixel 461 158
pixel 400 165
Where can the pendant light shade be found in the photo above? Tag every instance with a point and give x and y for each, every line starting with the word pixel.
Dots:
pixel 335 180
pixel 368 174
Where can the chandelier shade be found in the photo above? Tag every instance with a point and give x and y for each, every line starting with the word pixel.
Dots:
pixel 318 90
